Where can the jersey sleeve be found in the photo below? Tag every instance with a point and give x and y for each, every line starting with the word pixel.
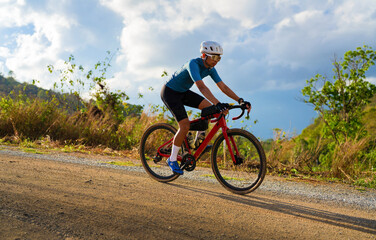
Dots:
pixel 214 75
pixel 194 71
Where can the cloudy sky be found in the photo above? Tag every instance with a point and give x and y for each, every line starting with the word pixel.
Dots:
pixel 270 47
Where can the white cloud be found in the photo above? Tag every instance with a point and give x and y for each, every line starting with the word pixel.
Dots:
pixel 11 13
pixel 4 52
pixel 159 37
pixel 371 80
pixel 266 40
pixel 294 37
pixel 50 33
pixel 278 42
pixel 2 68
pixel 34 50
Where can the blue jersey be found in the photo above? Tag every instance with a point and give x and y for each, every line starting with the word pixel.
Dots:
pixel 191 72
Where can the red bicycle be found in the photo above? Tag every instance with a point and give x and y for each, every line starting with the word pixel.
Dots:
pixel 237 157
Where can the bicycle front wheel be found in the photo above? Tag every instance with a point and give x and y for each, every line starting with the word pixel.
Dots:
pixel 157 136
pixel 248 171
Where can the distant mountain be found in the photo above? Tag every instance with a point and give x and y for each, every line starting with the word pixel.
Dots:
pixel 69 102
pixel 9 84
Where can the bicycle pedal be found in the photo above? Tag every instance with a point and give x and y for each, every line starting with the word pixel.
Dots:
pixel 157 159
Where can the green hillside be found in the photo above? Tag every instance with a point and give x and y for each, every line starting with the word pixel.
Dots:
pixel 369 118
pixel 9 86
pixel 369 121
pixel 66 101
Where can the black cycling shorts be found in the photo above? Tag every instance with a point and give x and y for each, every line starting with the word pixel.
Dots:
pixel 175 101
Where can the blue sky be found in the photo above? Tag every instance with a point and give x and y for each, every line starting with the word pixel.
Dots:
pixel 270 47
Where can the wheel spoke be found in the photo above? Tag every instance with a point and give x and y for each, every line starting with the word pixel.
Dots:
pixel 154 161
pixel 246 173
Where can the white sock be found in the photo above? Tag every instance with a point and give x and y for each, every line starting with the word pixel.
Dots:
pixel 174 153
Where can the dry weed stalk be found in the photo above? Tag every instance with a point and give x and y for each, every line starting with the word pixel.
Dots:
pixel 346 157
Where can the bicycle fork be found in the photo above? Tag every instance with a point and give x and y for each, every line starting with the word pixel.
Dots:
pixel 231 145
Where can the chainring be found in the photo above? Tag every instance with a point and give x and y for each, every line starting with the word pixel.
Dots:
pixel 188 162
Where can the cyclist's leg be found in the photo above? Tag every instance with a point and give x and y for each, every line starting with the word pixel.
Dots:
pixel 204 104
pixel 178 141
pixel 200 103
pixel 174 102
pixel 195 100
pixel 182 132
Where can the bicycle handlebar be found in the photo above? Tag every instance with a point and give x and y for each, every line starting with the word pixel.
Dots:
pixel 241 114
pixel 242 107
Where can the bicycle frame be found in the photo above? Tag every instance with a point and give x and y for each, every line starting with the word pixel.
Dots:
pixel 221 124
pixel 241 173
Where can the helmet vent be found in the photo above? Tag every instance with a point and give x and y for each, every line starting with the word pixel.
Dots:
pixel 211 47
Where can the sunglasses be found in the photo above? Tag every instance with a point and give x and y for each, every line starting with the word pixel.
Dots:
pixel 216 58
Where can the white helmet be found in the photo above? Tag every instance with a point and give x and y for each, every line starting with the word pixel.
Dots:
pixel 211 47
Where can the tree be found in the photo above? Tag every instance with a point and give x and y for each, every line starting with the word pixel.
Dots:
pixel 340 102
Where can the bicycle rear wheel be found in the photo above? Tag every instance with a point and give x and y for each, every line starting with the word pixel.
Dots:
pixel 152 161
pixel 249 171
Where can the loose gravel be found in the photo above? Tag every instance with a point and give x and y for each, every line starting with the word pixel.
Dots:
pixel 331 193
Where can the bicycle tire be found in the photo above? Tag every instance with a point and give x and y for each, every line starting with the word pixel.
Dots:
pixel 151 140
pixel 244 177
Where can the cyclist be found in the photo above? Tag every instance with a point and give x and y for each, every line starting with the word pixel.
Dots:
pixel 176 94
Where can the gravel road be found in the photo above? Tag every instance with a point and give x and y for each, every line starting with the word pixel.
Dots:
pixel 314 191
pixel 73 196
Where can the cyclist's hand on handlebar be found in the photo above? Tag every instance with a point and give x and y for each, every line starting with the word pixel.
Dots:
pixel 222 106
pixel 246 104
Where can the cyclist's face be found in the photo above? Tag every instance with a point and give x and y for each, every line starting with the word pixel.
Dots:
pixel 214 57
pixel 212 60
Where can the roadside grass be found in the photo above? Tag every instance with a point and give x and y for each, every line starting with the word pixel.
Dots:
pixel 224 177
pixel 366 182
pixel 40 127
pixel 32 150
pixel 353 161
pixel 208 176
pixel 125 163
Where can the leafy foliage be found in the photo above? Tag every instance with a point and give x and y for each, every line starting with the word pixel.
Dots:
pixel 75 79
pixel 341 143
pixel 340 103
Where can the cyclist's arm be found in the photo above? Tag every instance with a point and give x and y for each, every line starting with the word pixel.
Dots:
pixel 206 92
pixel 226 90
